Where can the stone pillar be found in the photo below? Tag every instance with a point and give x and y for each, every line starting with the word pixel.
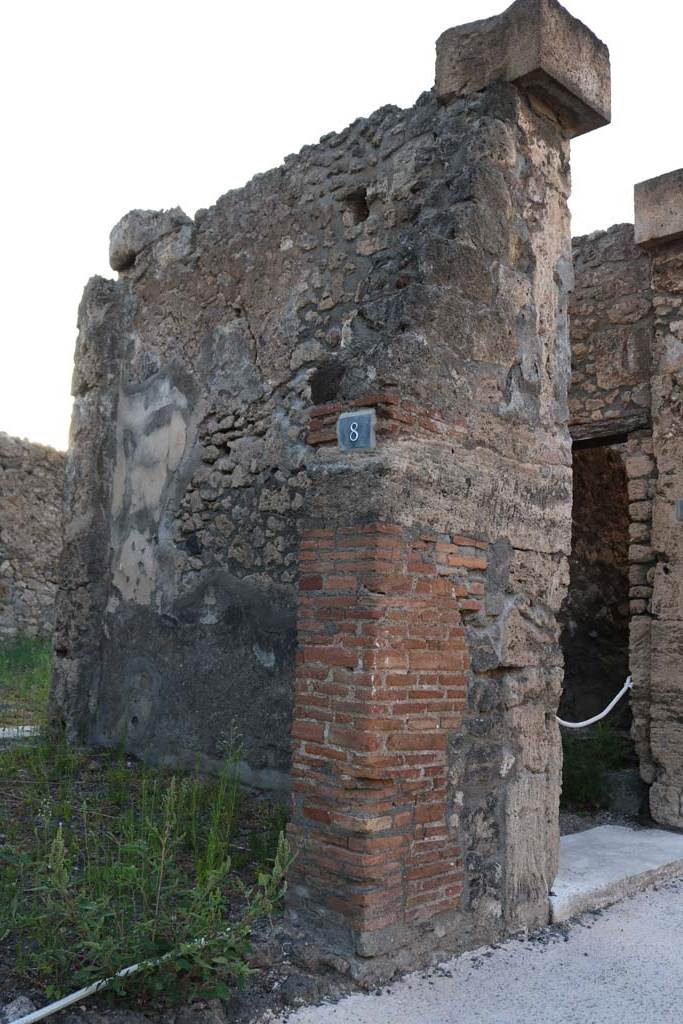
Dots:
pixel 84 562
pixel 426 756
pixel 659 229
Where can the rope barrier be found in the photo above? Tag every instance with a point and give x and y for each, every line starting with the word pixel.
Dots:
pixel 596 718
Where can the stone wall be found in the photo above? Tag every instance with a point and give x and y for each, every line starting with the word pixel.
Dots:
pixel 31 484
pixel 611 329
pixel 659 228
pixel 627 341
pixel 228 567
pixel 641 471
pixel 612 325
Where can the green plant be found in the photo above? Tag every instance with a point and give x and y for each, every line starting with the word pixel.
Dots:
pixel 271 823
pixel 25 672
pixel 587 757
pixel 106 863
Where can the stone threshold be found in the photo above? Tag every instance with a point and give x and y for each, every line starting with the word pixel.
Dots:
pixel 608 863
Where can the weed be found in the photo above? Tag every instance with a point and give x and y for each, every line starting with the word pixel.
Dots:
pixel 105 863
pixel 587 757
pixel 271 821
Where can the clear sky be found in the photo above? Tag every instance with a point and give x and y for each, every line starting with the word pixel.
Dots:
pixel 158 103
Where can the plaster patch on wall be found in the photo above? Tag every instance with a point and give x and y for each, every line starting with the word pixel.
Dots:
pixel 151 438
pixel 134 569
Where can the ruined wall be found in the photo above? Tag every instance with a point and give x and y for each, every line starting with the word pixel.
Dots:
pixel 431 810
pixel 611 333
pixel 208 355
pixel 31 483
pixel 612 325
pixel 628 304
pixel 228 566
pixel 659 228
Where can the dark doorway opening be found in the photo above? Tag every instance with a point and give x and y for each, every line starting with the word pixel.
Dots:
pixel 594 616
pixel 600 766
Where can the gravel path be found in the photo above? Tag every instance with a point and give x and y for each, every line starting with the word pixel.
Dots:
pixel 621 966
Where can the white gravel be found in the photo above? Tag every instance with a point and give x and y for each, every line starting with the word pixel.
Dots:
pixel 623 965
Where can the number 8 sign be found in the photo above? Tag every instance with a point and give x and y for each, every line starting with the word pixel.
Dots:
pixel 356 430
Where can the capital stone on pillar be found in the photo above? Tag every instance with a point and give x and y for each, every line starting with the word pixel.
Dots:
pixel 658 206
pixel 539 46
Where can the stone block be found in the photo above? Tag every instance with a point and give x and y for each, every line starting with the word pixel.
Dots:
pixel 658 206
pixel 640 490
pixel 640 511
pixel 667 653
pixel 638 466
pixel 530 811
pixel 665 805
pixel 538 45
pixel 139 229
pixel 667 599
pixel 637 575
pixel 641 553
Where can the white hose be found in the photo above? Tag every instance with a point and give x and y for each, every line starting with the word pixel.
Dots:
pixel 96 986
pixel 76 997
pixel 596 718
pixel 17 732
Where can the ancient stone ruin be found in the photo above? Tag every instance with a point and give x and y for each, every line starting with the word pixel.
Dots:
pixel 319 492
pixel 31 483
pixel 626 421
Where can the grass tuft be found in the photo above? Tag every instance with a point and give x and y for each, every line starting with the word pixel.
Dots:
pixel 25 672
pixel 105 862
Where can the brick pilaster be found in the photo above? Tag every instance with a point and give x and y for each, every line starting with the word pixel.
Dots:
pixel 381 683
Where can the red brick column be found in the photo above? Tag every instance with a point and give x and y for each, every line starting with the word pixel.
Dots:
pixel 381 683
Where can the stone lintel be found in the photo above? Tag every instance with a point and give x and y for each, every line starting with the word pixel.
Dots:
pixel 658 206
pixel 602 430
pixel 539 46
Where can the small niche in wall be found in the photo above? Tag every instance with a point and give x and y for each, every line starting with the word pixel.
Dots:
pixel 356 208
pixel 325 382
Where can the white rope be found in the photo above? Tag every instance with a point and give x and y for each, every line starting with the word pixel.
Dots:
pixel 596 718
pixel 89 990
pixel 76 997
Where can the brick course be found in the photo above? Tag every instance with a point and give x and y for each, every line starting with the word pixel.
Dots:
pixel 396 415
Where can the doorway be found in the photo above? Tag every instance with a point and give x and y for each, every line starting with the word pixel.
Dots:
pixel 600 774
